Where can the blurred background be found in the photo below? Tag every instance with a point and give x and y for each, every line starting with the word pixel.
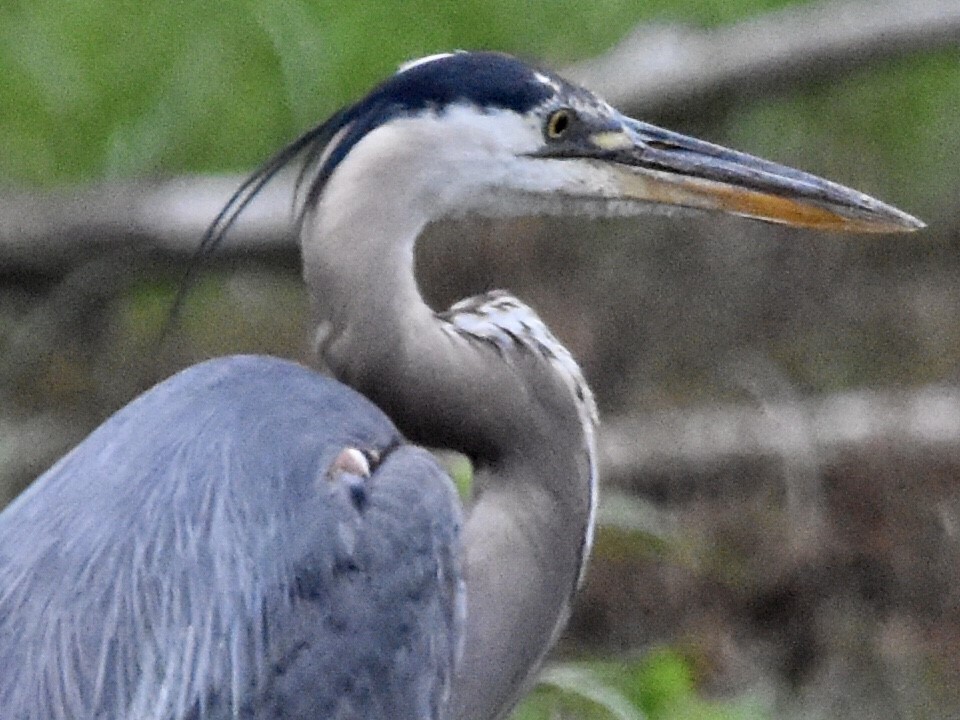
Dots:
pixel 781 409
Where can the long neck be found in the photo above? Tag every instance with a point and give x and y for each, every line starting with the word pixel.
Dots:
pixel 526 532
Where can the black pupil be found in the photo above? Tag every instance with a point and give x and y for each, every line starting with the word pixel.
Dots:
pixel 560 122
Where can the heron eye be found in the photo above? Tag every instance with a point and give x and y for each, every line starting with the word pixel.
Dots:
pixel 559 123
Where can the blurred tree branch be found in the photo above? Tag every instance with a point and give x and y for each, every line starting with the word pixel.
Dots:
pixel 54 231
pixel 696 440
pixel 688 442
pixel 658 69
pixel 665 68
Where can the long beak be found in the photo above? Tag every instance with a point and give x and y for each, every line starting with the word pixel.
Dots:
pixel 651 164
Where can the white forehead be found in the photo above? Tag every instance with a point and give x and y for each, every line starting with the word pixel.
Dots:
pixel 458 135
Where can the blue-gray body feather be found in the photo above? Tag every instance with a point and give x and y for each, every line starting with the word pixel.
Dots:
pixel 196 558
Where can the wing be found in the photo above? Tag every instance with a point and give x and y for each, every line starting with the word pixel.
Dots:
pixel 196 557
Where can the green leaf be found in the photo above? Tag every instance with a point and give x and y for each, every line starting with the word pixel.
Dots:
pixel 581 681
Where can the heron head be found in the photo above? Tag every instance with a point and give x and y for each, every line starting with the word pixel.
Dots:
pixel 486 133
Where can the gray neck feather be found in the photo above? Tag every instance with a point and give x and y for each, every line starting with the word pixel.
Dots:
pixel 507 408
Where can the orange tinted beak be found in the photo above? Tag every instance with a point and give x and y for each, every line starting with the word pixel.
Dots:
pixel 649 164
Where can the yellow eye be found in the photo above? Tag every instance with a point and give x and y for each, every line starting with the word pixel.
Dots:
pixel 558 123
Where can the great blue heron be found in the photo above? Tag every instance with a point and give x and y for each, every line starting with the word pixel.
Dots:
pixel 251 540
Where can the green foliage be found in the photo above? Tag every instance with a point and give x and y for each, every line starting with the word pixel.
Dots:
pixel 114 88
pixel 660 686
